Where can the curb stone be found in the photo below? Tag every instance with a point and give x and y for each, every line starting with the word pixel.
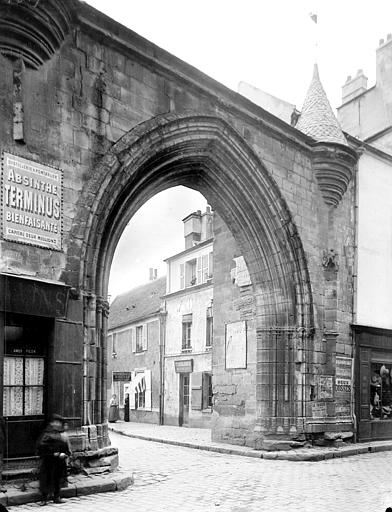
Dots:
pixel 92 486
pixel 311 455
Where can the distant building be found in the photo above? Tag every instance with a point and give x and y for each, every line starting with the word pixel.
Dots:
pixel 188 305
pixel 134 336
pixel 366 114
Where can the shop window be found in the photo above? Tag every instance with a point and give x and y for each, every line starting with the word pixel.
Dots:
pixel 141 397
pixel 380 392
pixel 24 371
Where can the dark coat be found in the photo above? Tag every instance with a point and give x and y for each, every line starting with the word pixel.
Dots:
pixel 49 446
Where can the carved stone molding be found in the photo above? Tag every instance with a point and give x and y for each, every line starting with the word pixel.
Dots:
pixel 32 30
pixel 333 165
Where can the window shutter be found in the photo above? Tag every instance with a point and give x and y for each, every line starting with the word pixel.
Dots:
pixel 197 391
pixel 199 275
pixel 147 378
pixel 205 267
pixel 133 339
pixel 182 276
pixel 144 337
pixel 210 264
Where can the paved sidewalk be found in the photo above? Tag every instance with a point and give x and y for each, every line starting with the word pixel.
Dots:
pixel 18 493
pixel 199 438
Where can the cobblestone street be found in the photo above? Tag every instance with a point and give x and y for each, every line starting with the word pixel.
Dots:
pixel 181 479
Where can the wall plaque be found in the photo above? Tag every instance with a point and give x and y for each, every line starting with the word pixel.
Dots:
pixel 236 345
pixel 31 202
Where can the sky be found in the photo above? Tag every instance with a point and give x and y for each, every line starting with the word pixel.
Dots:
pixel 269 44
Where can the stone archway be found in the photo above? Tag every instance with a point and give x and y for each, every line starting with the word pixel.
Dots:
pixel 202 152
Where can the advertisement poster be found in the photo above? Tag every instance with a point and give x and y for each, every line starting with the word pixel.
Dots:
pixel 31 202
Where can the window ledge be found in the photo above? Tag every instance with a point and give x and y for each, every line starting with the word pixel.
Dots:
pixel 186 350
pixel 207 411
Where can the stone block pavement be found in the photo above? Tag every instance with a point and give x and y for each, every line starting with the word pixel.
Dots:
pixel 175 478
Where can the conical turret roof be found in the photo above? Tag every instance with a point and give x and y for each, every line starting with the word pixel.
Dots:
pixel 317 118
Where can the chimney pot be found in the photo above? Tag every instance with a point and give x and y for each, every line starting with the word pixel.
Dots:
pixel 381 42
pixel 389 36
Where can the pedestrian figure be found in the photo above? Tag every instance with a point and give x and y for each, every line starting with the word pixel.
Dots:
pixel 65 438
pixel 113 409
pixel 53 451
pixel 126 407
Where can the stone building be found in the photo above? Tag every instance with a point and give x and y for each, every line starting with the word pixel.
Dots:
pixel 188 309
pixel 134 350
pixel 365 114
pixel 95 120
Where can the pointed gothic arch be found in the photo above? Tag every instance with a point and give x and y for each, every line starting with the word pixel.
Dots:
pixel 204 153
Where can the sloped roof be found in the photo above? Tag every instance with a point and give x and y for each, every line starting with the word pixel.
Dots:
pixel 317 118
pixel 139 303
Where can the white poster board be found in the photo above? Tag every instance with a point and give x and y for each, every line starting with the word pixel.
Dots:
pixel 235 342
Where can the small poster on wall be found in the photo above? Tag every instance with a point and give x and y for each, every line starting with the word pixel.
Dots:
pixel 236 346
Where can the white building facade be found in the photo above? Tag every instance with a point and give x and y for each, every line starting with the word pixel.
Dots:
pixel 188 308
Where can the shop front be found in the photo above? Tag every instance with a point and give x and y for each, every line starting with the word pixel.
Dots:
pixel 29 312
pixel 374 383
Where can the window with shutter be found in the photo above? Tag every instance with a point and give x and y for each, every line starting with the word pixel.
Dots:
pixel 139 338
pixel 205 270
pixel 187 333
pixel 133 339
pixel 199 271
pixel 210 265
pixel 197 391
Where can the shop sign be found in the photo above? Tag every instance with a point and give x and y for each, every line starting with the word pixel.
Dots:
pixel 184 366
pixel 31 202
pixel 236 345
pixel 122 376
pixel 325 387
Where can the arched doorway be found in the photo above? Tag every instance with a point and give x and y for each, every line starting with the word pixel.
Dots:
pixel 204 153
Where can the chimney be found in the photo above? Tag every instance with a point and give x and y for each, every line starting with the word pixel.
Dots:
pixel 206 224
pixel 354 86
pixel 384 68
pixel 192 229
pixel 153 274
